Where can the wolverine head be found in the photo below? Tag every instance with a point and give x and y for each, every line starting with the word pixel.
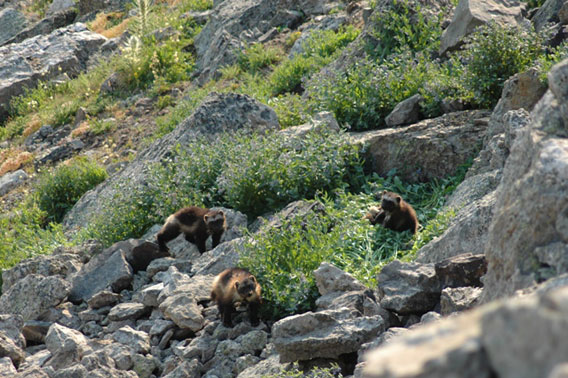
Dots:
pixel 215 220
pixel 247 287
pixel 390 201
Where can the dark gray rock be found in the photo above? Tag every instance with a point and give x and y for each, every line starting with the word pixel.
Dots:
pixel 405 112
pixel 60 152
pixel 127 311
pixel 548 12
pixel 11 23
pixel 102 299
pixel 459 299
pixel 461 270
pixel 66 346
pixel 409 288
pixel 45 26
pixel 109 269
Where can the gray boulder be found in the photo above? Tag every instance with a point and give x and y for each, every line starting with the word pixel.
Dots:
pixel 64 265
pixel 462 270
pixel 533 246
pixel 102 299
pixel 405 112
pixel 33 295
pixel 448 348
pixel 127 311
pixel 8 348
pixel 11 23
pixel 511 332
pixel 459 299
pixel 432 148
pixel 43 57
pixel 330 278
pixel 326 334
pixel 45 26
pixel 139 341
pixel 59 6
pixel 66 346
pixel 409 288
pixel 271 365
pixel 218 113
pixel 12 180
pixel 470 14
pixel 184 311
pixel 7 368
pixel 548 12
pixel 109 269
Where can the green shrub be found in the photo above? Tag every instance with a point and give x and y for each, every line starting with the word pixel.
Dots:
pixel 266 173
pixel 403 25
pixel 545 62
pixel 367 92
pixel 287 77
pixel 328 43
pixel 492 54
pixel 59 190
pixel 258 56
pixel 291 109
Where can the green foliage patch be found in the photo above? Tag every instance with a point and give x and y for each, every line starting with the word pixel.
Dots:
pixel 60 189
pixel 283 259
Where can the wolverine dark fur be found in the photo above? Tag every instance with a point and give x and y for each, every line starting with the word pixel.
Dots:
pixel 236 285
pixel 196 224
pixel 394 213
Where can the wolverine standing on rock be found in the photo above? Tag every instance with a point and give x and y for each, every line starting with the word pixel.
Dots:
pixel 196 224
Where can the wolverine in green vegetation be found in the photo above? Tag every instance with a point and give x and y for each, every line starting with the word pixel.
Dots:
pixel 393 213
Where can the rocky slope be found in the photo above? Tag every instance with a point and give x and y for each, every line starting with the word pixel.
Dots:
pixel 487 298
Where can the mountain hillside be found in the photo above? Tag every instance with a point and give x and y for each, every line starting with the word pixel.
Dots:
pixel 292 117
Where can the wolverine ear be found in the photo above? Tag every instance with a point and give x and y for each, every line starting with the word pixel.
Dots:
pixel 237 285
pixel 221 213
pixel 253 279
pixel 398 199
pixel 206 217
pixel 384 192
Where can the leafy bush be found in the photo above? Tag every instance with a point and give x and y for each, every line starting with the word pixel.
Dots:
pixel 494 53
pixel 556 55
pixel 58 191
pixel 257 56
pixel 367 92
pixel 403 25
pixel 291 109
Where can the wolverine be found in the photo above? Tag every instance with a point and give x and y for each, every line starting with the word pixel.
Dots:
pixel 236 285
pixel 196 224
pixel 394 213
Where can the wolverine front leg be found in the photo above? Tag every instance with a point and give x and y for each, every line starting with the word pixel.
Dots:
pixel 253 313
pixel 226 311
pixel 216 238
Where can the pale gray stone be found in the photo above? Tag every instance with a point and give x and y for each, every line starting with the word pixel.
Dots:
pixel 405 112
pixel 127 311
pixel 326 334
pixel 137 340
pixel 33 295
pixel 330 278
pixel 66 346
pixel 102 299
pixel 11 23
pixel 7 369
pixel 459 299
pixel 409 288
pixel 12 180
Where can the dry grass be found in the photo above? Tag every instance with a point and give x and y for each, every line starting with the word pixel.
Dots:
pixel 82 129
pixel 104 26
pixel 14 159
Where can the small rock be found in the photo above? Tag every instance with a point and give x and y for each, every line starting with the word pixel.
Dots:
pixel 459 299
pixel 137 340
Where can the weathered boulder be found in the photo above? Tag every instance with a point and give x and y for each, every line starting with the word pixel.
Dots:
pixel 60 6
pixel 126 311
pixel 66 346
pixel 326 334
pixel 184 311
pixel 529 233
pixel 443 349
pixel 548 12
pixel 8 348
pixel 11 23
pixel 7 368
pixel 218 113
pixel 139 341
pixel 409 288
pixel 432 148
pixel 467 232
pixel 45 26
pixel 461 270
pixel 271 365
pixel 109 269
pixel 513 331
pixel 62 151
pixel 470 14
pixel 330 278
pixel 12 180
pixel 64 265
pixel 383 338
pixel 213 262
pixel 405 112
pixel 459 299
pixel 44 57
pixel 322 122
pixel 102 299
pixel 33 295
